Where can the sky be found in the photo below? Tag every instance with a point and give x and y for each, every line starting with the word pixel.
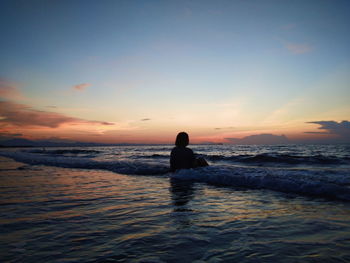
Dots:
pixel 142 71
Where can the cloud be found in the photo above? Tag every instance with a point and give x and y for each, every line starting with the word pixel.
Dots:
pixel 81 86
pixel 8 135
pixel 341 129
pixel 9 91
pixel 21 115
pixel 145 119
pixel 260 139
pixel 101 122
pixel 224 128
pixel 298 48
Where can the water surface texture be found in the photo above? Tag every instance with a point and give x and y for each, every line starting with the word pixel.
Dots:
pixel 119 204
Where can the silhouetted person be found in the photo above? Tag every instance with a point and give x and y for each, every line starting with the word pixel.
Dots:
pixel 182 157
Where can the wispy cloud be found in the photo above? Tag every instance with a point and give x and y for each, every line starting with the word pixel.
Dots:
pixel 224 128
pixel 9 91
pixel 21 115
pixel 81 86
pixel 298 48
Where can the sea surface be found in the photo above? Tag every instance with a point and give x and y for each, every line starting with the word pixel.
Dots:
pixel 283 203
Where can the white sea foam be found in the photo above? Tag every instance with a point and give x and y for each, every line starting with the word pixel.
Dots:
pixel 329 183
pixel 124 167
pixel 290 181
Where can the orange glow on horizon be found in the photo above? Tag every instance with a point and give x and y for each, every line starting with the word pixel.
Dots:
pixel 91 133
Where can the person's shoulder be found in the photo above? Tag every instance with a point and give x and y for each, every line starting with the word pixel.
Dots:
pixel 189 150
pixel 174 149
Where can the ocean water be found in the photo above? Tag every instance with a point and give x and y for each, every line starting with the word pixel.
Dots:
pixel 286 203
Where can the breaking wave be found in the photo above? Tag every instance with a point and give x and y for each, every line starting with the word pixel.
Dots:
pixel 327 184
pixel 123 167
pixel 65 151
pixel 331 183
pixel 281 158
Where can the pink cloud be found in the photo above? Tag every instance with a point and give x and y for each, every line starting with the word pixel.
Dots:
pixel 9 91
pixel 21 115
pixel 298 48
pixel 82 86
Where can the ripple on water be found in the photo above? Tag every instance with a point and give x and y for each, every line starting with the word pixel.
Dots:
pixel 56 214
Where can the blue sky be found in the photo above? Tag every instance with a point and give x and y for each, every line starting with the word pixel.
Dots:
pixel 257 66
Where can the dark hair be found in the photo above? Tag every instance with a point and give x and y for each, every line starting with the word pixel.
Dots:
pixel 182 139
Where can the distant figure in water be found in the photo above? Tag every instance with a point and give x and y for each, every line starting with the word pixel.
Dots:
pixel 182 157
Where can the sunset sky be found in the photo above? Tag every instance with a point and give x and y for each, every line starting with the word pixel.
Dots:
pixel 141 71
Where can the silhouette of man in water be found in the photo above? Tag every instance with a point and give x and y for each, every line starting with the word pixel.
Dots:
pixel 182 157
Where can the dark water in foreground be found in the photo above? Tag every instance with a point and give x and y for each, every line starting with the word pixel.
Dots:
pixel 94 214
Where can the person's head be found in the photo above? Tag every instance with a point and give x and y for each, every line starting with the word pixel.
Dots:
pixel 182 139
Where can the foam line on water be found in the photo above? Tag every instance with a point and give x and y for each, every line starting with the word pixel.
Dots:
pixel 324 183
pixel 124 167
pixel 281 158
pixel 303 182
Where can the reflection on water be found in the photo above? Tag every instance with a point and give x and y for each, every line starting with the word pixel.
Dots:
pixel 55 215
pixel 181 193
